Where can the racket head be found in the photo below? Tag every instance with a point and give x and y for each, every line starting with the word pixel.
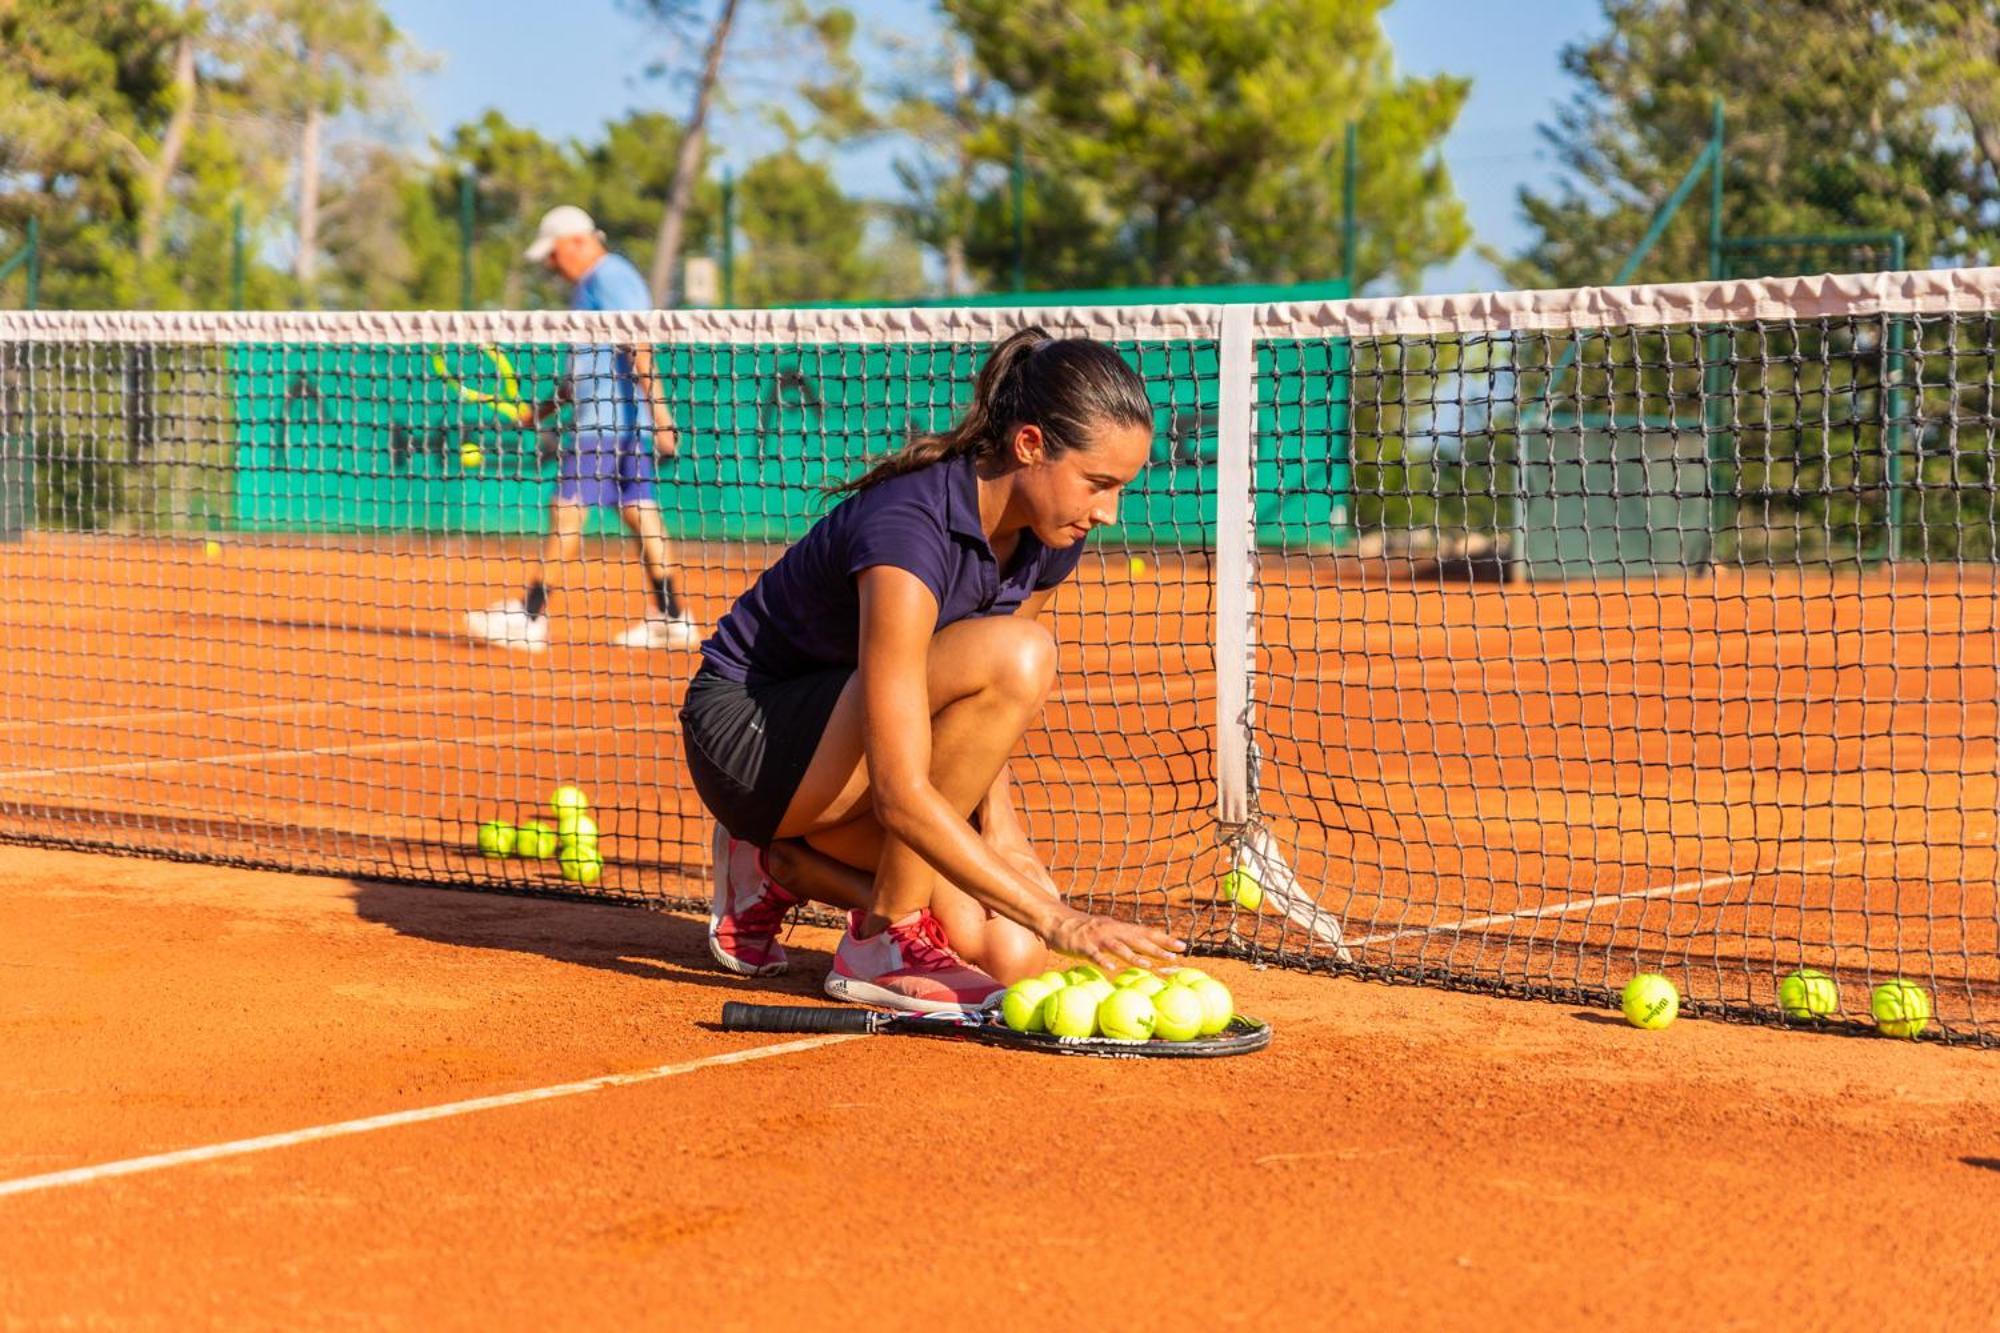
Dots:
pixel 485 364
pixel 1243 1036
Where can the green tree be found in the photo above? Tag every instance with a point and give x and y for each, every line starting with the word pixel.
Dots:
pixel 828 82
pixel 1841 116
pixel 518 175
pixel 304 63
pixel 939 104
pixel 1190 141
pixel 804 240
pixel 98 105
pixel 627 173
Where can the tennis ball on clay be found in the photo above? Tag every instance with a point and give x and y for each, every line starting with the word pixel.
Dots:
pixel 1054 980
pixel 470 456
pixel 568 800
pixel 581 865
pixel 1084 972
pixel 1186 976
pixel 1177 1014
pixel 1218 1006
pixel 1126 1015
pixel 1901 1008
pixel 573 827
pixel 1137 566
pixel 1021 1006
pixel 1808 993
pixel 1649 1001
pixel 535 841
pixel 212 550
pixel 1240 886
pixel 1070 1012
pixel 496 838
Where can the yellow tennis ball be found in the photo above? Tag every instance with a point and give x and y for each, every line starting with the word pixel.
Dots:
pixel 1126 1015
pixel 1021 1006
pixel 1177 1014
pixel 1650 1001
pixel 1099 990
pixel 1901 1008
pixel 572 826
pixel 470 455
pixel 535 841
pixel 569 799
pixel 1218 1006
pixel 1083 972
pixel 1808 993
pixel 212 549
pixel 1070 1012
pixel 1148 985
pixel 1128 976
pixel 1054 980
pixel 1240 886
pixel 1137 566
pixel 581 864
pixel 1186 976
pixel 496 838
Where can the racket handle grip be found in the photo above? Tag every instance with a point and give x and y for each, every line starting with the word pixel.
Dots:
pixel 740 1017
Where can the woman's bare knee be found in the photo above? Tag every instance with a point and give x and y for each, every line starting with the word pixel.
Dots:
pixel 1009 951
pixel 1024 668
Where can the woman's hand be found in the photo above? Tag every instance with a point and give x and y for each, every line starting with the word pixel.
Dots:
pixel 1111 944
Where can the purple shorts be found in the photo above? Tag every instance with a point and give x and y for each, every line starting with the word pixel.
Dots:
pixel 607 471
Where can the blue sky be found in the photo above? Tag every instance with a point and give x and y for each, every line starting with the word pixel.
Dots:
pixel 566 71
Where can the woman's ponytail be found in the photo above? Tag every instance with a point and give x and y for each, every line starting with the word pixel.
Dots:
pixel 1063 386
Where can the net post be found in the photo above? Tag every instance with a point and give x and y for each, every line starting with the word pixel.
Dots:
pixel 1715 189
pixel 1235 539
pixel 1348 230
pixel 34 255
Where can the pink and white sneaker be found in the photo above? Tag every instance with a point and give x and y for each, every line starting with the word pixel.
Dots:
pixel 747 910
pixel 908 966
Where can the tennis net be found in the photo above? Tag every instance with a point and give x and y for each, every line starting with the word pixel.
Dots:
pixel 1519 641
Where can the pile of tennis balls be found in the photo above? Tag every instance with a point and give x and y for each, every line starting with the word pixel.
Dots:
pixel 572 842
pixel 1135 1005
pixel 1900 1008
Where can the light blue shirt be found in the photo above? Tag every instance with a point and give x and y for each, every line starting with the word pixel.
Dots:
pixel 607 396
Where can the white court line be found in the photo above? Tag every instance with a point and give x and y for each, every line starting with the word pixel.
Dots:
pixel 296 706
pixel 133 1166
pixel 1585 904
pixel 315 752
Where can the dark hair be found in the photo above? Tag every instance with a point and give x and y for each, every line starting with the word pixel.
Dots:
pixel 1063 385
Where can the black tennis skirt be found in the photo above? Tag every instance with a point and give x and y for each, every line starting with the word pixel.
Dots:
pixel 748 746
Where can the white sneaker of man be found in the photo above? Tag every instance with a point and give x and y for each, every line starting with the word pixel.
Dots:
pixel 509 625
pixel 658 630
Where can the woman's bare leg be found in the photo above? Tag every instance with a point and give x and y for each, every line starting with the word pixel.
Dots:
pixel 988 680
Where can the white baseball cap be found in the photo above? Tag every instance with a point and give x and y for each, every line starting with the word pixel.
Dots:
pixel 560 221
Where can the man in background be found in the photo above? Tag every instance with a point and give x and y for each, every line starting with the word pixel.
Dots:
pixel 608 457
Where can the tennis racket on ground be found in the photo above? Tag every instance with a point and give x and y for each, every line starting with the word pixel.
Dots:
pixel 493 367
pixel 1241 1037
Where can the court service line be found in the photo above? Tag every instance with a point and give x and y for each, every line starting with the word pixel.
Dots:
pixel 314 752
pixel 1598 900
pixel 133 1166
pixel 412 696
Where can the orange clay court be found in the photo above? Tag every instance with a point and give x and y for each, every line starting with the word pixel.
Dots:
pixel 412 1106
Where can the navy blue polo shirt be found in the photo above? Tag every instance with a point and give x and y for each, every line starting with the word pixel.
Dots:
pixel 803 614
